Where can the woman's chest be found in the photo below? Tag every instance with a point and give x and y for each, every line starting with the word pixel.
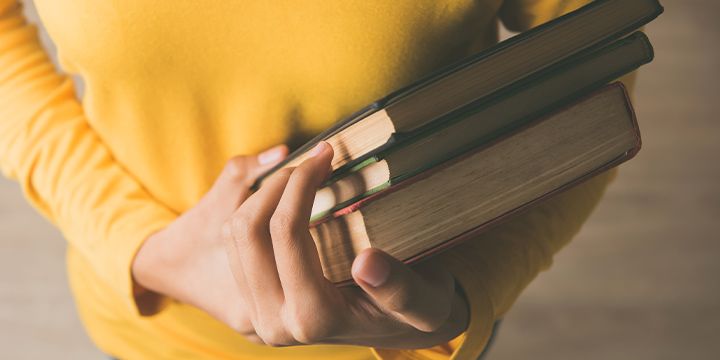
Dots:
pixel 301 42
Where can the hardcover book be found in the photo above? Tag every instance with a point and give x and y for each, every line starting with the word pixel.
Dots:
pixel 457 199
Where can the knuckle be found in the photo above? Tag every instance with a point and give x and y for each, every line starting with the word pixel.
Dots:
pixel 401 301
pixel 226 231
pixel 305 334
pixel 285 172
pixel 432 325
pixel 303 172
pixel 273 335
pixel 236 168
pixel 242 327
pixel 238 319
pixel 282 174
pixel 253 338
pixel 283 223
pixel 310 327
pixel 240 228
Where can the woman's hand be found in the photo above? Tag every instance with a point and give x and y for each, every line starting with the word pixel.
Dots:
pixel 289 301
pixel 187 260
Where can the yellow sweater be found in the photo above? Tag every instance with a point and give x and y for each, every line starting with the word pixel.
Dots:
pixel 175 88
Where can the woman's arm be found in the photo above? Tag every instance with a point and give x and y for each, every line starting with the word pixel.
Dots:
pixel 70 175
pixel 65 170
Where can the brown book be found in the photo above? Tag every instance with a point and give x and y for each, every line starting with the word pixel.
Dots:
pixel 452 202
pixel 419 105
pixel 521 102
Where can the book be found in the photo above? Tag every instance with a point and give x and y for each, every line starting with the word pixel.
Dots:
pixel 473 125
pixel 457 199
pixel 408 110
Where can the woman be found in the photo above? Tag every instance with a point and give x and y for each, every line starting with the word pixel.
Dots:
pixel 169 255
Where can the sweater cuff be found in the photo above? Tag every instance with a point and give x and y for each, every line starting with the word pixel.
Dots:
pixel 146 222
pixel 482 311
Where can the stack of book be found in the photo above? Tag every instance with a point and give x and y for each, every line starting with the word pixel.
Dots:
pixel 440 160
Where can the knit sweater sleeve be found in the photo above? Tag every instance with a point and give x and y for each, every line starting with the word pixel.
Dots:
pixel 65 170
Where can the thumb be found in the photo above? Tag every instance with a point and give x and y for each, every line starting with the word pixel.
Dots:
pixel 424 302
pixel 240 173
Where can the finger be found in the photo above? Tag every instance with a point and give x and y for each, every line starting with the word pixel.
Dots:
pixel 253 338
pixel 240 282
pixel 424 302
pixel 298 262
pixel 266 160
pixel 232 186
pixel 251 252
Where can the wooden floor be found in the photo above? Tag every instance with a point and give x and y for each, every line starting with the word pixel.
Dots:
pixel 639 282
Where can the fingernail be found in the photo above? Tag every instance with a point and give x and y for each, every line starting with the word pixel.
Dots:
pixel 375 270
pixel 271 156
pixel 318 149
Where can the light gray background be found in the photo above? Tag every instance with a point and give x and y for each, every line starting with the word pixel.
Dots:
pixel 640 282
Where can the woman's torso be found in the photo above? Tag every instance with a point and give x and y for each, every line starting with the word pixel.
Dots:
pixel 175 88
